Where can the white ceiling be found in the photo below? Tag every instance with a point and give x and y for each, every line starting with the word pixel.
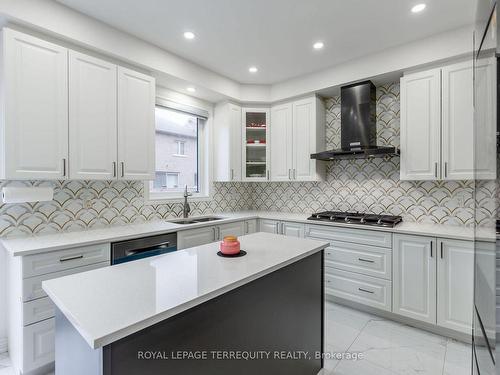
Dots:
pixel 276 35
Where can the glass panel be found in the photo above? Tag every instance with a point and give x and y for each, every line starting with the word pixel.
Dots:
pixel 256 141
pixel 176 151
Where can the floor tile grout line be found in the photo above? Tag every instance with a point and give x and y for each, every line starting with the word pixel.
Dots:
pixel 445 354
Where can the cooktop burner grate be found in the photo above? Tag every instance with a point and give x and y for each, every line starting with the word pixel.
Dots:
pixel 357 218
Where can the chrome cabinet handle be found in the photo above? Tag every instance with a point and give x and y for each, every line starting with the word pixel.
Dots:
pixel 64 167
pixel 247 226
pixel 114 169
pixel 294 174
pixel 277 228
pixel 366 260
pixel 267 172
pixel 232 174
pixel 431 249
pixel 218 233
pixel 289 174
pixel 282 228
pixel 442 251
pixel 436 170
pixel 71 258
pixel 123 169
pixel 215 238
pixel 445 169
pixel 366 291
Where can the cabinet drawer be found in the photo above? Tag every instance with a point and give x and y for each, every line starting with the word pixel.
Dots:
pixel 38 344
pixel 32 287
pixel 359 288
pixel 38 310
pixel 41 264
pixel 366 237
pixel 363 259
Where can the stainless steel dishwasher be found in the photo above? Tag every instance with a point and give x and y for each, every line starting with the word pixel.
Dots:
pixel 130 250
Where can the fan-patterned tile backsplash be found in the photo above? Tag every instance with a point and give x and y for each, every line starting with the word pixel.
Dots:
pixel 371 186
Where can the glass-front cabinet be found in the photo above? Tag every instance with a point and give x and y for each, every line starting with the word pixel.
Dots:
pixel 255 144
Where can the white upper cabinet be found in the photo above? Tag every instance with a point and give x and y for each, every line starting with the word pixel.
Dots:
pixel 227 142
pixel 437 124
pixel 136 125
pixel 420 125
pixel 297 131
pixel 35 121
pixel 308 138
pixel 282 143
pixel 256 144
pixel 92 118
pixel 457 122
pixel 485 119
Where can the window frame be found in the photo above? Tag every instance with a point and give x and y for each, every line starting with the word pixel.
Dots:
pixel 204 157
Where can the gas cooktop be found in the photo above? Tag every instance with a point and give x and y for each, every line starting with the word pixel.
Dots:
pixel 357 218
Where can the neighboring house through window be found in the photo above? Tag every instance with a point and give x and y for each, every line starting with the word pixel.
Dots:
pixel 180 155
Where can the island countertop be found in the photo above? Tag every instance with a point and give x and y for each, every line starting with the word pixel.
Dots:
pixel 107 304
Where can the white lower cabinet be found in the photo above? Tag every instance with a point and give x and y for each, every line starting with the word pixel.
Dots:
pixel 39 348
pixel 251 226
pixel 455 281
pixel 201 236
pixel 268 226
pixel 195 237
pixel 31 312
pixel 433 281
pixel 286 228
pixel 231 229
pixel 414 275
pixel 370 291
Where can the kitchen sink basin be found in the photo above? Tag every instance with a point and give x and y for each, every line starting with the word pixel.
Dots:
pixel 194 220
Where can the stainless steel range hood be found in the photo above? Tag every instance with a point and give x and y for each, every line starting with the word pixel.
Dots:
pixel 358 125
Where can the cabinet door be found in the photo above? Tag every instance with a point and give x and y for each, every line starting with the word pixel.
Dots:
pixel 136 125
pixel 231 229
pixel 281 139
pixel 269 226
pixel 38 345
pixel 457 122
pixel 195 237
pixel 235 142
pixel 485 119
pixel 414 277
pixel 36 108
pixel 251 226
pixel 292 229
pixel 304 139
pixel 455 285
pixel 421 125
pixel 92 118
pixel 255 144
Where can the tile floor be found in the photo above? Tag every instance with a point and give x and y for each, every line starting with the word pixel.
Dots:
pixel 389 348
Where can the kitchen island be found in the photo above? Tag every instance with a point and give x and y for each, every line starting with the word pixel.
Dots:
pixel 193 312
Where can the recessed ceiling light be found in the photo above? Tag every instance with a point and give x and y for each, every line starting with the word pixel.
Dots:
pixel 253 69
pixel 318 45
pixel 189 35
pixel 418 8
pixel 191 89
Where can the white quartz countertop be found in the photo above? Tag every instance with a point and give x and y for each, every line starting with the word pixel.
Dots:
pixel 110 303
pixel 43 243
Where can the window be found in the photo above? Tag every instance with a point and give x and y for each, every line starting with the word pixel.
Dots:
pixel 172 180
pixel 180 147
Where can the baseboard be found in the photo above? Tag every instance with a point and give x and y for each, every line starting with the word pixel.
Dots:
pixel 3 344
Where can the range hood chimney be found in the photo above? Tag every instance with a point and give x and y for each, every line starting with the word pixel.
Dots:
pixel 358 131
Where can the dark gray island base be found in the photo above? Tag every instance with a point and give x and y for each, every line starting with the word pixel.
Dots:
pixel 278 317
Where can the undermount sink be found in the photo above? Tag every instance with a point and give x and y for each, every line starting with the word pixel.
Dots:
pixel 194 220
